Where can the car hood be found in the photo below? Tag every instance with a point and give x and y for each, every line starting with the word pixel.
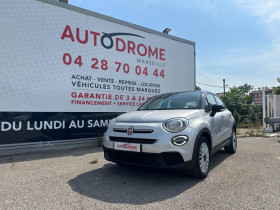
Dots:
pixel 157 115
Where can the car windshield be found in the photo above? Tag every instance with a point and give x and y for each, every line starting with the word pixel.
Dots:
pixel 184 100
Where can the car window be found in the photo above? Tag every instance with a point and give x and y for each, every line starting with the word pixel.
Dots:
pixel 219 101
pixel 159 104
pixel 211 101
pixel 183 100
pixel 207 108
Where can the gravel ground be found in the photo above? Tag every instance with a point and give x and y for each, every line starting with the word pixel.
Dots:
pixel 250 179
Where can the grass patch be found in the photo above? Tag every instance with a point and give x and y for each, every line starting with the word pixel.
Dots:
pixel 12 161
pixel 256 133
pixel 238 132
pixel 94 161
pixel 251 133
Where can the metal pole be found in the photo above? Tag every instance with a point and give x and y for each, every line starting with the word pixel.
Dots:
pixel 264 109
pixel 274 110
pixel 224 81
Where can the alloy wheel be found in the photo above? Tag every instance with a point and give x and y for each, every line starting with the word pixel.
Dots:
pixel 203 157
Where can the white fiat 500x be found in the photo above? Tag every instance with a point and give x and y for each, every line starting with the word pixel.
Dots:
pixel 170 129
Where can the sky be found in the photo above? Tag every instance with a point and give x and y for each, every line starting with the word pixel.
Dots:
pixel 236 40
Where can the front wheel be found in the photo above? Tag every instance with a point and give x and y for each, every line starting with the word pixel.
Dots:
pixel 202 160
pixel 233 146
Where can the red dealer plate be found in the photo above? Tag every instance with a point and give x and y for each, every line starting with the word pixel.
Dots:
pixel 127 146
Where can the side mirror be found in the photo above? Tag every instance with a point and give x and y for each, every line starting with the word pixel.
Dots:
pixel 216 108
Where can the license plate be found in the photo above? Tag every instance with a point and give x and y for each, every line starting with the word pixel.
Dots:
pixel 127 146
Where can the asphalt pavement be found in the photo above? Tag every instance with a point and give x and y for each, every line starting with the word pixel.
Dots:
pixel 249 179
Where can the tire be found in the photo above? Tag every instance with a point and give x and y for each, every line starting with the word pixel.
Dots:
pixel 202 160
pixel 231 149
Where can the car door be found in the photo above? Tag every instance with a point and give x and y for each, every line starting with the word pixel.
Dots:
pixel 226 120
pixel 215 121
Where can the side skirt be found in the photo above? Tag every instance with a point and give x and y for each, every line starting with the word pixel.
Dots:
pixel 226 142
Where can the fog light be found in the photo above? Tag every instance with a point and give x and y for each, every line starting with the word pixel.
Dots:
pixel 179 140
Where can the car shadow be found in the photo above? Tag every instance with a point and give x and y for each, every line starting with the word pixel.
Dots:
pixel 115 183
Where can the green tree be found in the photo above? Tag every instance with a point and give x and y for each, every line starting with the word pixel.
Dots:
pixel 239 101
pixel 277 89
pixel 197 87
pixel 237 97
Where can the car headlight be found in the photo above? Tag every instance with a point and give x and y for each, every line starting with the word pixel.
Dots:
pixel 175 125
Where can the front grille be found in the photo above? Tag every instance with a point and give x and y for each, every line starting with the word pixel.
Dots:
pixel 168 158
pixel 124 130
pixel 133 157
pixel 132 140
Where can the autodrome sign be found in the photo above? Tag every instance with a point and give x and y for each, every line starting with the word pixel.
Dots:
pixel 60 65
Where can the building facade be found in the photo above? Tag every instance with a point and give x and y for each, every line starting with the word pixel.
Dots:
pixel 257 95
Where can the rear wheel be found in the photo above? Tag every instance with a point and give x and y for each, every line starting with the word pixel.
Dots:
pixel 233 146
pixel 202 160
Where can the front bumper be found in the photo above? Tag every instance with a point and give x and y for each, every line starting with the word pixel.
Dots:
pixel 164 159
pixel 155 144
